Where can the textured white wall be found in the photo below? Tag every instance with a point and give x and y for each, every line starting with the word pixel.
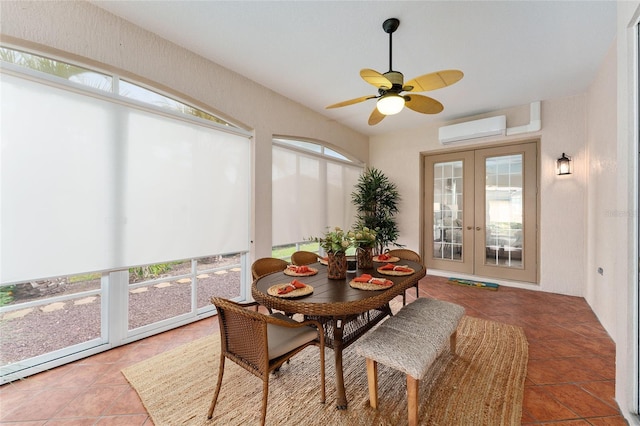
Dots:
pixel 563 198
pixel 562 201
pixel 80 31
pixel 625 280
pixel 603 213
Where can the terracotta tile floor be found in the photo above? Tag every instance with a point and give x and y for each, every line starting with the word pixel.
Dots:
pixel 570 377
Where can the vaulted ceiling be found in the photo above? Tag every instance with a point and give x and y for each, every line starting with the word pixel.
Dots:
pixel 511 52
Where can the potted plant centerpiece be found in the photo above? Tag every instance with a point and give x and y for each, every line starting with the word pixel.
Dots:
pixel 335 244
pixel 364 240
pixel 376 199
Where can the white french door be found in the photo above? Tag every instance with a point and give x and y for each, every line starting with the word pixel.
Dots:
pixel 481 212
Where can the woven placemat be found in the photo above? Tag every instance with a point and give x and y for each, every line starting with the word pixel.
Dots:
pixel 394 273
pixel 370 286
pixel 481 384
pixel 312 271
pixel 298 292
pixel 391 259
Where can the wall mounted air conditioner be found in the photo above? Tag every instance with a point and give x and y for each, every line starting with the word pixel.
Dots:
pixel 473 129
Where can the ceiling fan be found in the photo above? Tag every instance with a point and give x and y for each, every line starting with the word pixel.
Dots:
pixel 390 85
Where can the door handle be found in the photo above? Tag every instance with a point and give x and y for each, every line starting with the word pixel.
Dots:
pixel 478 228
pixel 469 228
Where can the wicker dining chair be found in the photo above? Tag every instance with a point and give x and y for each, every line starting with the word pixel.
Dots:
pixel 262 343
pixel 406 254
pixel 302 257
pixel 267 265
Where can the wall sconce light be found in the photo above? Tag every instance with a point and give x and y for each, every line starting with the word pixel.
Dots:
pixel 564 165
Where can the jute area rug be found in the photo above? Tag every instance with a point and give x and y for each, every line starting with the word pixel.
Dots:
pixel 482 384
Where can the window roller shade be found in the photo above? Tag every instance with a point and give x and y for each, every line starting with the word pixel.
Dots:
pixel 90 185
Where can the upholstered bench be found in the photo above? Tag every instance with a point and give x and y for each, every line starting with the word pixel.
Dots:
pixel 410 341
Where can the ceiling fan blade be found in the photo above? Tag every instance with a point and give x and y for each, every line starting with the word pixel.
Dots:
pixel 423 104
pixel 434 80
pixel 375 117
pixel 375 79
pixel 350 101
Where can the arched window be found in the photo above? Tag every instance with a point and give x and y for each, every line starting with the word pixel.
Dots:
pixel 311 190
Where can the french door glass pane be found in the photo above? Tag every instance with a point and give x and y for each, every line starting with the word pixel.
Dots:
pixel 447 210
pixel 504 211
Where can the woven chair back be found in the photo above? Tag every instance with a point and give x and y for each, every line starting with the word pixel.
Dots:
pixel 405 254
pixel 267 265
pixel 243 335
pixel 304 258
pixel 244 340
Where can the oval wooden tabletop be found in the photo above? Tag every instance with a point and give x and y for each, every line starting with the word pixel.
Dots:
pixel 335 297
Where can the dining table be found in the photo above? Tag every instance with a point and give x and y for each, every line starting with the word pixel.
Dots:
pixel 345 312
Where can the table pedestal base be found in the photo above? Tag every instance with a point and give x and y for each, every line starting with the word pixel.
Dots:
pixel 340 333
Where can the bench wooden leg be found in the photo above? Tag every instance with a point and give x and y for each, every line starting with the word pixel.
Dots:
pixel 372 379
pixel 412 399
pixel 452 341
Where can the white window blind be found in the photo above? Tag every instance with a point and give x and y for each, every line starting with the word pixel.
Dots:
pixel 309 193
pixel 341 182
pixel 90 185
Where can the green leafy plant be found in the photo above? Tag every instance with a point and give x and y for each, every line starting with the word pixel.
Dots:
pixel 362 236
pixel 334 241
pixel 6 295
pixel 150 271
pixel 376 199
pixel 83 277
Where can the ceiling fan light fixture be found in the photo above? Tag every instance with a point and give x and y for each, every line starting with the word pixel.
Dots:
pixel 390 104
pixel 391 85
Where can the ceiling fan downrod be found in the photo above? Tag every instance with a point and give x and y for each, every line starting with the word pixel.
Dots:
pixel 390 26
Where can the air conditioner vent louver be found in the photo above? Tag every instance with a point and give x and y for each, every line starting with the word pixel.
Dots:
pixel 473 129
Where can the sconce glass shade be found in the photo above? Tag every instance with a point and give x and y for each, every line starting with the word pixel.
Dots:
pixel 564 165
pixel 390 104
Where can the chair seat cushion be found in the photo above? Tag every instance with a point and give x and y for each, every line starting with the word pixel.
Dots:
pixel 285 339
